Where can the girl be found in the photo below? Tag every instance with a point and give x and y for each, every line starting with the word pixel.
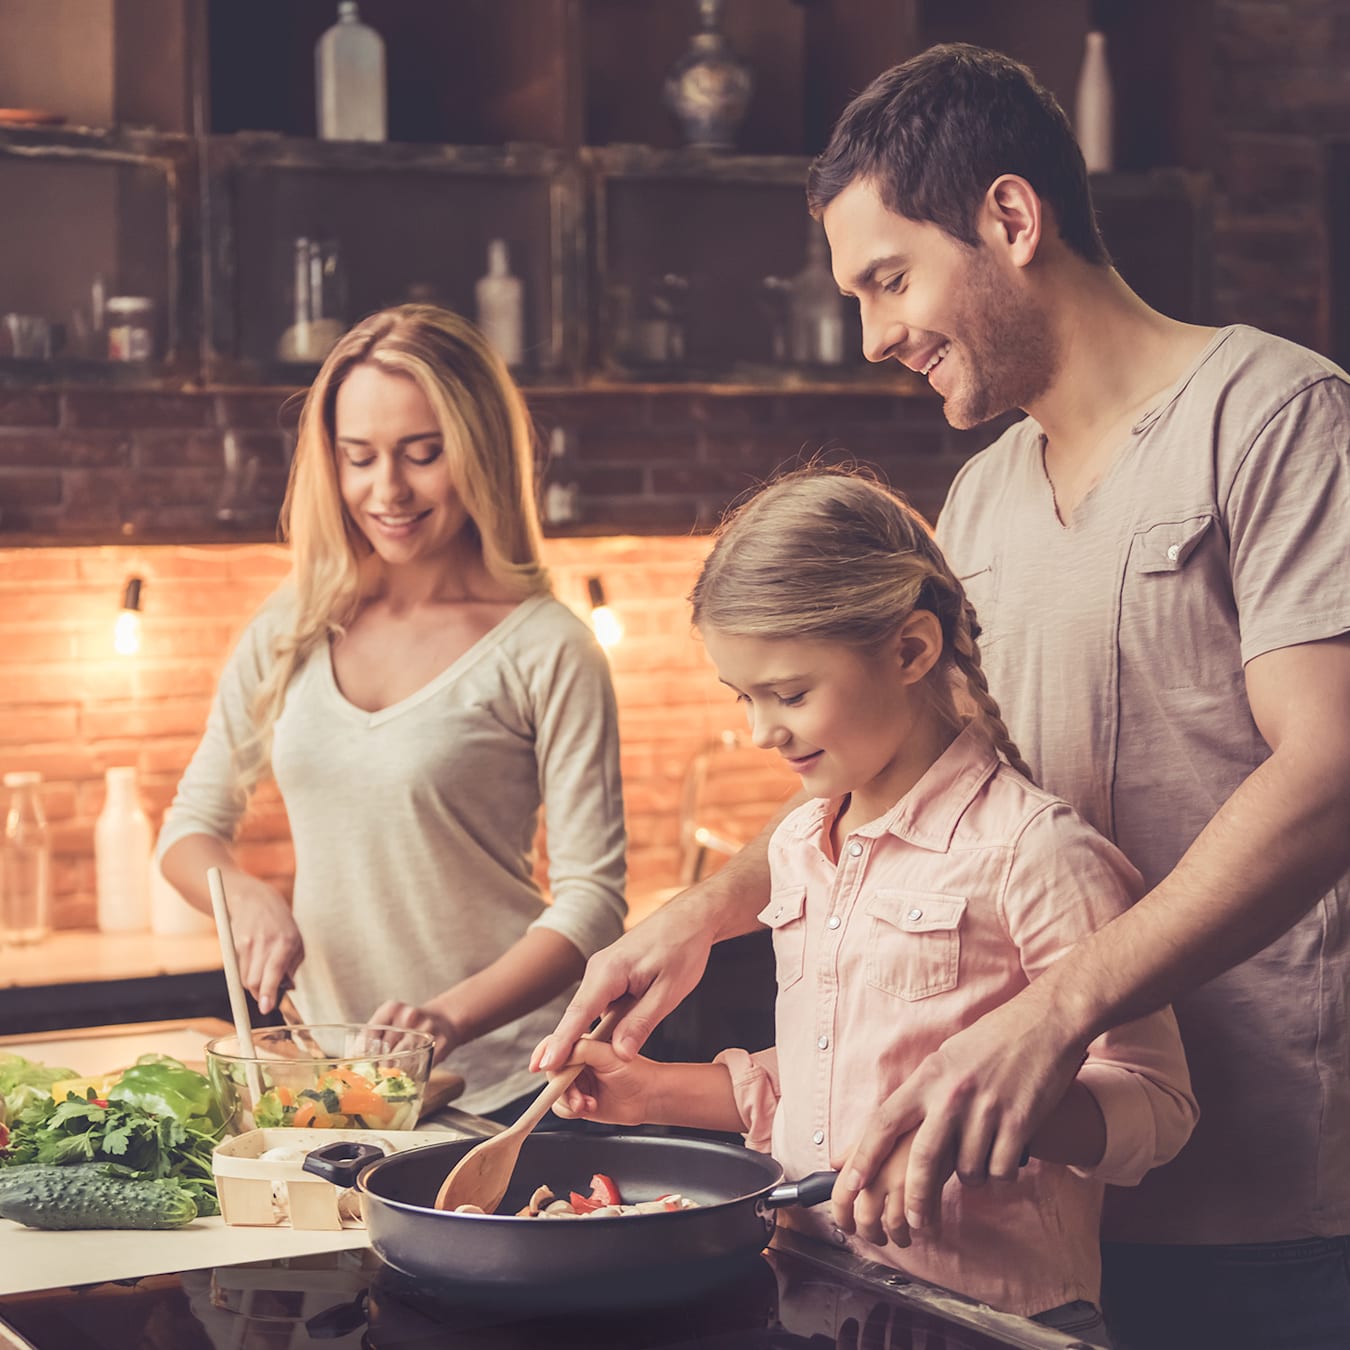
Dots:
pixel 925 881
pixel 418 693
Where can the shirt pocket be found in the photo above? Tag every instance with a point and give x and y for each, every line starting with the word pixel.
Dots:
pixel 913 942
pixel 1178 625
pixel 980 583
pixel 786 917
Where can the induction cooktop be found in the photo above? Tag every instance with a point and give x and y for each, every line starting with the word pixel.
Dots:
pixel 798 1295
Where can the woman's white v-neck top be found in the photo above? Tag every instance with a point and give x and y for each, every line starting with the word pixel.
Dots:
pixel 414 826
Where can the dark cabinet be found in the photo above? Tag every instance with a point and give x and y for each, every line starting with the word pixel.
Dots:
pixel 539 122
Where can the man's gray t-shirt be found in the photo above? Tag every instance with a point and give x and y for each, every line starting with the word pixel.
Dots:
pixel 1115 646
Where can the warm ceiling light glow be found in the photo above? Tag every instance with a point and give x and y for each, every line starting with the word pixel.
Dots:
pixel 127 632
pixel 606 623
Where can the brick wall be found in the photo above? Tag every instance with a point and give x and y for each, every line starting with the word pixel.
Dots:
pixel 1282 93
pixel 70 707
pixel 103 465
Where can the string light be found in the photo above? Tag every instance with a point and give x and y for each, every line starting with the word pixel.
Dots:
pixel 127 632
pixel 606 623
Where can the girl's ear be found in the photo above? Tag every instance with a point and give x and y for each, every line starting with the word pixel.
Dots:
pixel 1013 218
pixel 918 645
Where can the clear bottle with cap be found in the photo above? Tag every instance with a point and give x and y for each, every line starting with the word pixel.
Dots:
pixel 501 305
pixel 122 844
pixel 25 863
pixel 349 79
pixel 816 309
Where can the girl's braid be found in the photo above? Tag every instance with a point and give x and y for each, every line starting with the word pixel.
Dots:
pixel 962 628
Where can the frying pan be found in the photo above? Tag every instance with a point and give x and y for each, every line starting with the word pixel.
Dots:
pixel 625 1261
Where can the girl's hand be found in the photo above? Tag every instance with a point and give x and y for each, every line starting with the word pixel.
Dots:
pixel 616 1091
pixel 877 1213
pixel 393 1013
pixel 266 939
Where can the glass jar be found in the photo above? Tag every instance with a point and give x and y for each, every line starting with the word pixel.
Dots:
pixel 130 323
pixel 25 863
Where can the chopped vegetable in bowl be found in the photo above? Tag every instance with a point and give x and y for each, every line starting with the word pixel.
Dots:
pixel 325 1077
pixel 343 1098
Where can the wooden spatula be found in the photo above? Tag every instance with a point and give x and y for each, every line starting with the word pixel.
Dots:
pixel 482 1175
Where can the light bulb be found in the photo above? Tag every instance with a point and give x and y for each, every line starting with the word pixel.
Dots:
pixel 127 633
pixel 127 630
pixel 607 625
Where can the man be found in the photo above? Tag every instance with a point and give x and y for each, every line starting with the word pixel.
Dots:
pixel 1159 555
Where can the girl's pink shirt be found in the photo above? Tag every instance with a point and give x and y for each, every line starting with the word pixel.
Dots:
pixel 945 907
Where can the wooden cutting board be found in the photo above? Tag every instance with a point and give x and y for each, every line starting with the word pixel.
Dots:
pixel 442 1088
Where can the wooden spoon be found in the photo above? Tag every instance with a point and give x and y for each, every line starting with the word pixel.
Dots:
pixel 482 1175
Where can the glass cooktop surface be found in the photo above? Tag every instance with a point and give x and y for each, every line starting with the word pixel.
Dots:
pixel 796 1296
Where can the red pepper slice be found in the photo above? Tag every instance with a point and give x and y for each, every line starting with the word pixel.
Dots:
pixel 4 1136
pixel 604 1191
pixel 98 1101
pixel 583 1204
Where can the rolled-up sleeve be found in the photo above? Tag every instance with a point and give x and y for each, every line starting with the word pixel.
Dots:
pixel 754 1084
pixel 1064 881
pixel 576 725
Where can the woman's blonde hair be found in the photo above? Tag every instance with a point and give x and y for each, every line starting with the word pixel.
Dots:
pixel 488 446
pixel 830 555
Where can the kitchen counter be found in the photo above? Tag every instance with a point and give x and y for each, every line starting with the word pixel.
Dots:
pixel 78 977
pixel 38 1259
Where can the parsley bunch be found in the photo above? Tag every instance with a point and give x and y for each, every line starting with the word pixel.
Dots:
pixel 172 1141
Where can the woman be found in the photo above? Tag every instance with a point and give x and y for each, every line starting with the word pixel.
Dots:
pixel 418 694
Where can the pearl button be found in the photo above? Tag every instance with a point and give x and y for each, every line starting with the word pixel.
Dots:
pixel 855 849
pixel 915 914
pixel 823 1043
pixel 1173 552
pixel 833 921
pixel 818 1137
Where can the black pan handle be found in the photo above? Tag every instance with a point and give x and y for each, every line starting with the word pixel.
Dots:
pixel 342 1162
pixel 812 1190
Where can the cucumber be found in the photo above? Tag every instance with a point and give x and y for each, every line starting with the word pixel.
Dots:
pixel 86 1195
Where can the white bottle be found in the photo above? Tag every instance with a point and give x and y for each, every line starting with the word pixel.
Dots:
pixel 122 846
pixel 501 305
pixel 1093 114
pixel 169 912
pixel 349 79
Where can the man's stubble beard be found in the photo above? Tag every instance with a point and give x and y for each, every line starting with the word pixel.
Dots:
pixel 1009 345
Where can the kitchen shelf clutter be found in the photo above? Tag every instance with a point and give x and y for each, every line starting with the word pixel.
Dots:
pixel 226 244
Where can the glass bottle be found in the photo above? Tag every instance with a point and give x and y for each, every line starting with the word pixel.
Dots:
pixel 1093 114
pixel 501 307
pixel 349 79
pixel 25 863
pixel 816 309
pixel 122 846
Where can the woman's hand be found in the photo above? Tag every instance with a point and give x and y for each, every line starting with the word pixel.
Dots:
pixel 393 1013
pixel 616 1091
pixel 266 940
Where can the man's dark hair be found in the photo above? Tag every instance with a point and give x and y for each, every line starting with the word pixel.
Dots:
pixel 935 132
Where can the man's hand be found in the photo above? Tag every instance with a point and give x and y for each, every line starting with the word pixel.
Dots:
pixel 972 1107
pixel 656 965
